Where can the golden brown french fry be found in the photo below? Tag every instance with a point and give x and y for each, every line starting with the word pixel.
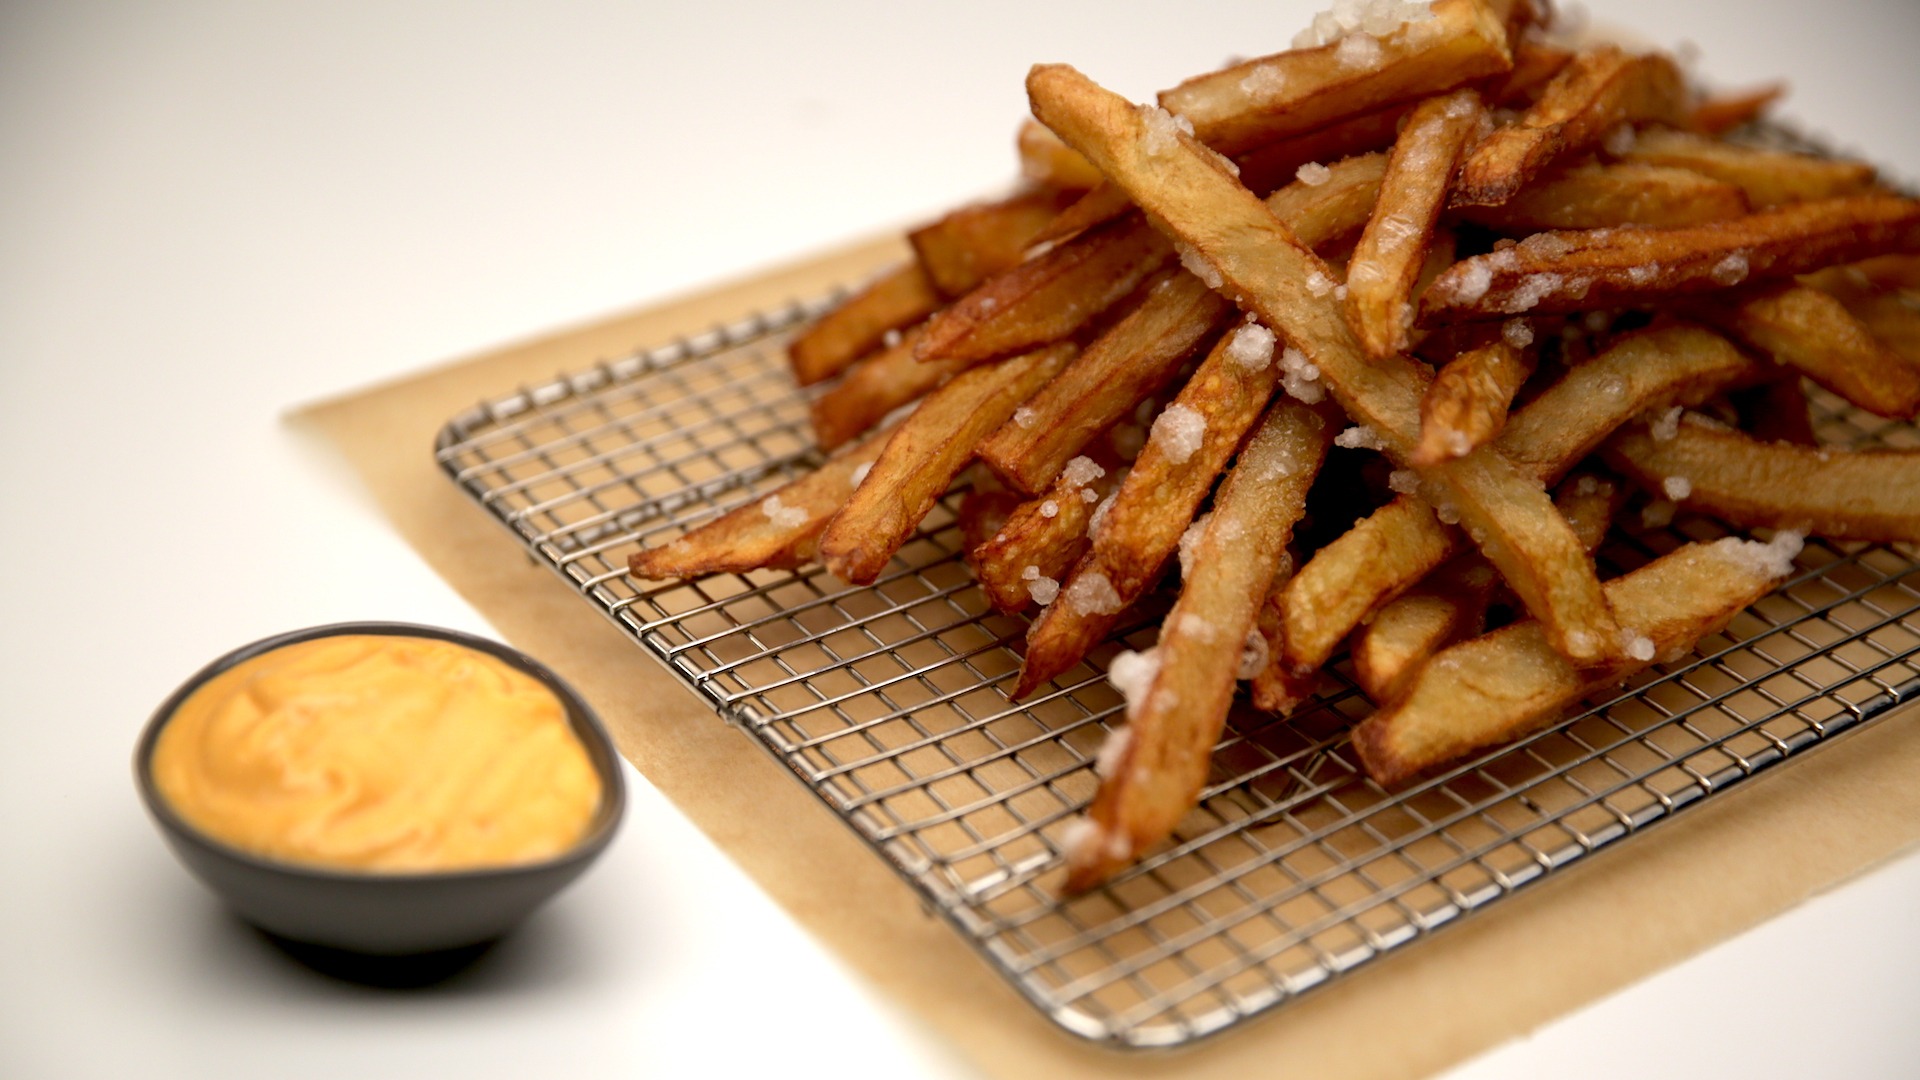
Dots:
pixel 1277 688
pixel 1264 266
pixel 876 385
pixel 1101 204
pixel 1602 268
pixel 1451 604
pixel 1044 159
pixel 1884 294
pixel 1132 361
pixel 1389 551
pixel 1289 93
pixel 1503 685
pixel 1467 404
pixel 1598 90
pixel 1718 114
pixel 1047 297
pixel 1828 491
pixel 1607 196
pixel 896 299
pixel 1535 63
pixel 1137 532
pixel 1813 332
pixel 966 247
pixel 777 531
pixel 1138 356
pixel 922 457
pixel 1386 265
pixel 1769 177
pixel 1277 164
pixel 1178 705
pixel 1023 561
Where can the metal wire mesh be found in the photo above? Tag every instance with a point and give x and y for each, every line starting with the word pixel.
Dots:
pixel 889 703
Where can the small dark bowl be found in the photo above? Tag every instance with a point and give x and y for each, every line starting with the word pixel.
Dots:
pixel 384 914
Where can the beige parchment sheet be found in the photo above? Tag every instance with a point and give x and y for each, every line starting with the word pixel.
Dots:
pixel 1577 937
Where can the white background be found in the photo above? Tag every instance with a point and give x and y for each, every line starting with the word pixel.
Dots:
pixel 211 212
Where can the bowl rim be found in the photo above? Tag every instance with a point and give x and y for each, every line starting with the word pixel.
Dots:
pixel 585 722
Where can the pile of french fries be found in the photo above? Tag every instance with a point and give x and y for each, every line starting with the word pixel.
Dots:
pixel 1531 275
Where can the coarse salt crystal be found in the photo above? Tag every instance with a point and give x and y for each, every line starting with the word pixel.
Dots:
pixel 1473 281
pixel 1619 141
pixel 1251 347
pixel 1082 841
pixel 1657 514
pixel 1360 437
pixel 1300 378
pixel 1458 444
pixel 1081 471
pixel 1319 284
pixel 1545 245
pixel 1100 512
pixel 1189 541
pixel 1532 289
pixel 1588 484
pixel 1677 487
pixel 1029 572
pixel 1088 495
pixel 1313 174
pixel 1043 590
pixel 1773 559
pixel 1163 130
pixel 1358 50
pixel 890 339
pixel 1666 425
pixel 1405 481
pixel 1339 292
pixel 786 517
pixel 1198 266
pixel 1049 508
pixel 1731 270
pixel 1092 594
pixel 1264 81
pixel 1179 432
pixel 1644 273
pixel 1024 416
pixel 1638 646
pixel 1132 673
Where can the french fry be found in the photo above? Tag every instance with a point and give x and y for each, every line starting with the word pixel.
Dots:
pixel 1047 297
pixel 896 299
pixel 1607 196
pixel 1503 685
pixel 1141 353
pixel 1044 159
pixel 1277 688
pixel 1884 294
pixel 1289 93
pixel 1602 268
pixel 1589 503
pixel 1845 494
pixel 1535 63
pixel 1466 405
pixel 875 387
pixel 1769 177
pixel 1598 90
pixel 1137 532
pixel 1264 266
pixel 1155 774
pixel 1022 562
pixel 1449 605
pixel 1132 361
pixel 1718 114
pixel 1813 332
pixel 778 531
pixel 966 247
pixel 1386 264
pixel 922 457
pixel 1389 551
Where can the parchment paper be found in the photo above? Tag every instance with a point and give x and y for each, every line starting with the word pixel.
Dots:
pixel 1579 936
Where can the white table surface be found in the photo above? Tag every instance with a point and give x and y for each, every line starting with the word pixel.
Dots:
pixel 210 212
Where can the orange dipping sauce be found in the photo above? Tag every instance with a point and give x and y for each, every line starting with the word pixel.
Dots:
pixel 381 754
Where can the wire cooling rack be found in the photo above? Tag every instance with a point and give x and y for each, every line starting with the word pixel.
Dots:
pixel 888 702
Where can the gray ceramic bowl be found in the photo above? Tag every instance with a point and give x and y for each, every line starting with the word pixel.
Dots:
pixel 384 914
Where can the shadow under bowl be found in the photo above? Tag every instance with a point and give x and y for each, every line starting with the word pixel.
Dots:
pixel 377 914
